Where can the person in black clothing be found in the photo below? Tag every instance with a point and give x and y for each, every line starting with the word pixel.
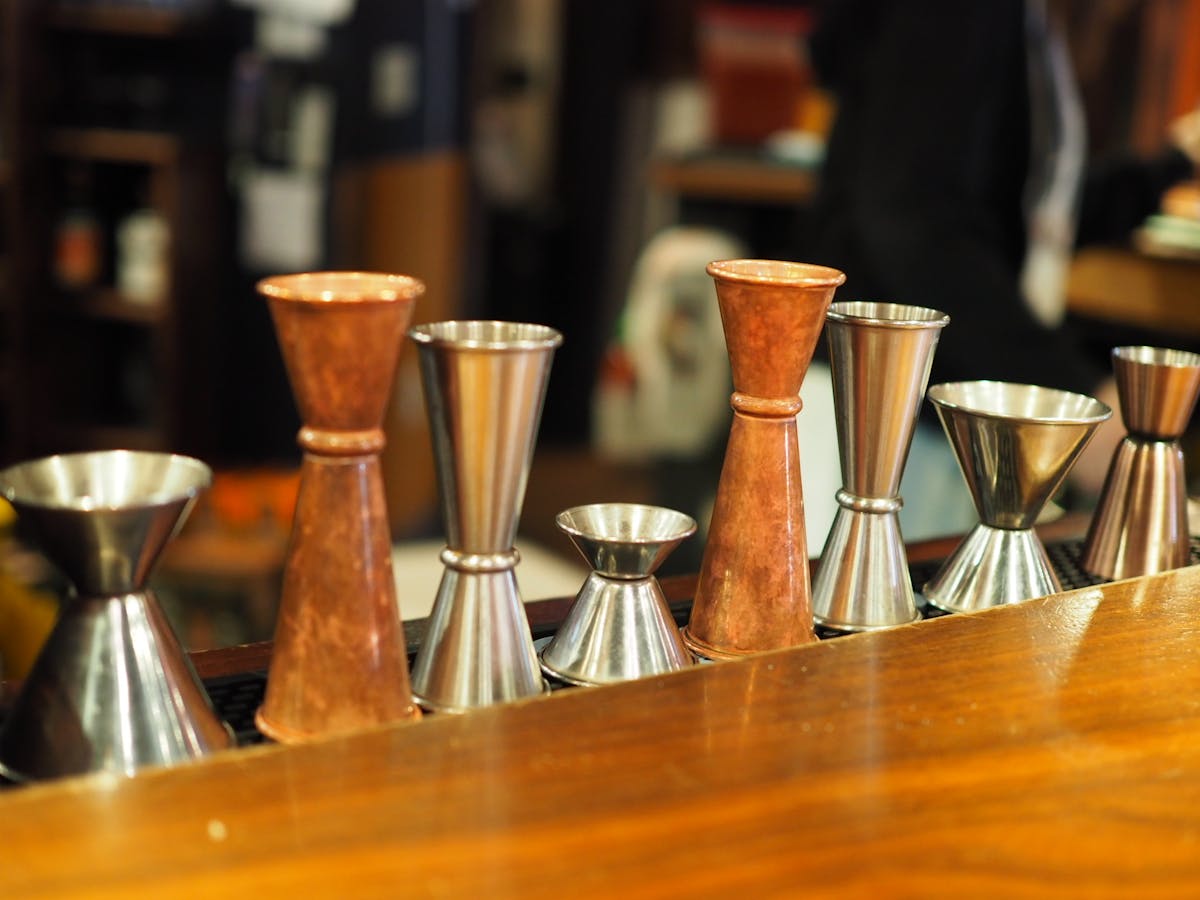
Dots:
pixel 956 161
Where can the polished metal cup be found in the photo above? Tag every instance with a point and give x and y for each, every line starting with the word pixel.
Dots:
pixel 879 355
pixel 484 383
pixel 111 690
pixel 1140 524
pixel 619 628
pixel 1015 444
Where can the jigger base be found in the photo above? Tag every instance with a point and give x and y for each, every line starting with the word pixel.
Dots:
pixel 111 691
pixel 992 567
pixel 478 649
pixel 1140 524
pixel 707 651
pixel 617 630
pixel 863 582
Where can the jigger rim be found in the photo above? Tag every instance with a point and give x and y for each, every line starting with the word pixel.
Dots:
pixel 1145 354
pixel 687 523
pixel 775 271
pixel 341 287
pixel 84 504
pixel 1090 410
pixel 882 312
pixel 486 334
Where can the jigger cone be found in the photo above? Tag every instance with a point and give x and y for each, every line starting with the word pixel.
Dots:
pixel 112 689
pixel 620 626
pixel 880 355
pixel 1015 443
pixel 1140 525
pixel 754 593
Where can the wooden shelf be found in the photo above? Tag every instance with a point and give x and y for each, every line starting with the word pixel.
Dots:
pixel 128 19
pixel 151 148
pixel 735 177
pixel 1133 289
pixel 94 435
pixel 109 303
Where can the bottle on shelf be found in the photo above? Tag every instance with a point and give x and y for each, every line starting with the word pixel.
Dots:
pixel 78 238
pixel 142 241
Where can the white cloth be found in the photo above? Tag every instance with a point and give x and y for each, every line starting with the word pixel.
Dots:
pixel 1058 133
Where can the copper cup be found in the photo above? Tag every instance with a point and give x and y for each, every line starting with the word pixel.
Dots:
pixel 340 660
pixel 754 592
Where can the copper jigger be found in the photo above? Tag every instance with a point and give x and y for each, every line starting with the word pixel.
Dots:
pixel 340 660
pixel 111 690
pixel 1140 525
pixel 620 627
pixel 754 593
pixel 880 355
pixel 485 383
pixel 1015 443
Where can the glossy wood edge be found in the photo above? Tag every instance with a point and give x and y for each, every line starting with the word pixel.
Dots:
pixel 1038 749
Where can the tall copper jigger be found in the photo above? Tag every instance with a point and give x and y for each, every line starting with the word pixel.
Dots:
pixel 1015 443
pixel 111 690
pixel 754 592
pixel 340 660
pixel 485 383
pixel 1140 525
pixel 880 355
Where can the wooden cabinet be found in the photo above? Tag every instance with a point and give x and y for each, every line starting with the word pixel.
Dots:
pixel 116 118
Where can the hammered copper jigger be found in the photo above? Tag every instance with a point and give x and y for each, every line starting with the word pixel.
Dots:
pixel 754 593
pixel 112 690
pixel 1015 443
pixel 880 355
pixel 1140 525
pixel 619 627
pixel 340 661
pixel 485 383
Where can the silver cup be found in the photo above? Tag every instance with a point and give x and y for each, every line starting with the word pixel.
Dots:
pixel 880 355
pixel 1015 443
pixel 485 383
pixel 1140 525
pixel 620 627
pixel 111 690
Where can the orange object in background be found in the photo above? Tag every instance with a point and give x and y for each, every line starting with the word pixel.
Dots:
pixel 250 498
pixel 1183 201
pixel 755 61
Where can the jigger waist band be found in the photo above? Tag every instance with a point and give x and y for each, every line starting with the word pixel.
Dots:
pixel 341 443
pixel 765 407
pixel 869 504
pixel 480 562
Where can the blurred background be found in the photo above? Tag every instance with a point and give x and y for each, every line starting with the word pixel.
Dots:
pixel 564 162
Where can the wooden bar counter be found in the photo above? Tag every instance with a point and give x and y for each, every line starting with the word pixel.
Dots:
pixel 1050 748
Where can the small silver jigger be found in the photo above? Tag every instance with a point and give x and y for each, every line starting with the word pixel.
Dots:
pixel 620 626
pixel 112 689
pixel 1015 443
pixel 880 355
pixel 485 383
pixel 1140 525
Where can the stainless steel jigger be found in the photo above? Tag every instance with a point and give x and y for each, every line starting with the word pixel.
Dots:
pixel 484 387
pixel 1015 443
pixel 1140 525
pixel 880 355
pixel 620 626
pixel 111 690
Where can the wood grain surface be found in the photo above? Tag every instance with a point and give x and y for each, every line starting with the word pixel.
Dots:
pixel 1045 749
